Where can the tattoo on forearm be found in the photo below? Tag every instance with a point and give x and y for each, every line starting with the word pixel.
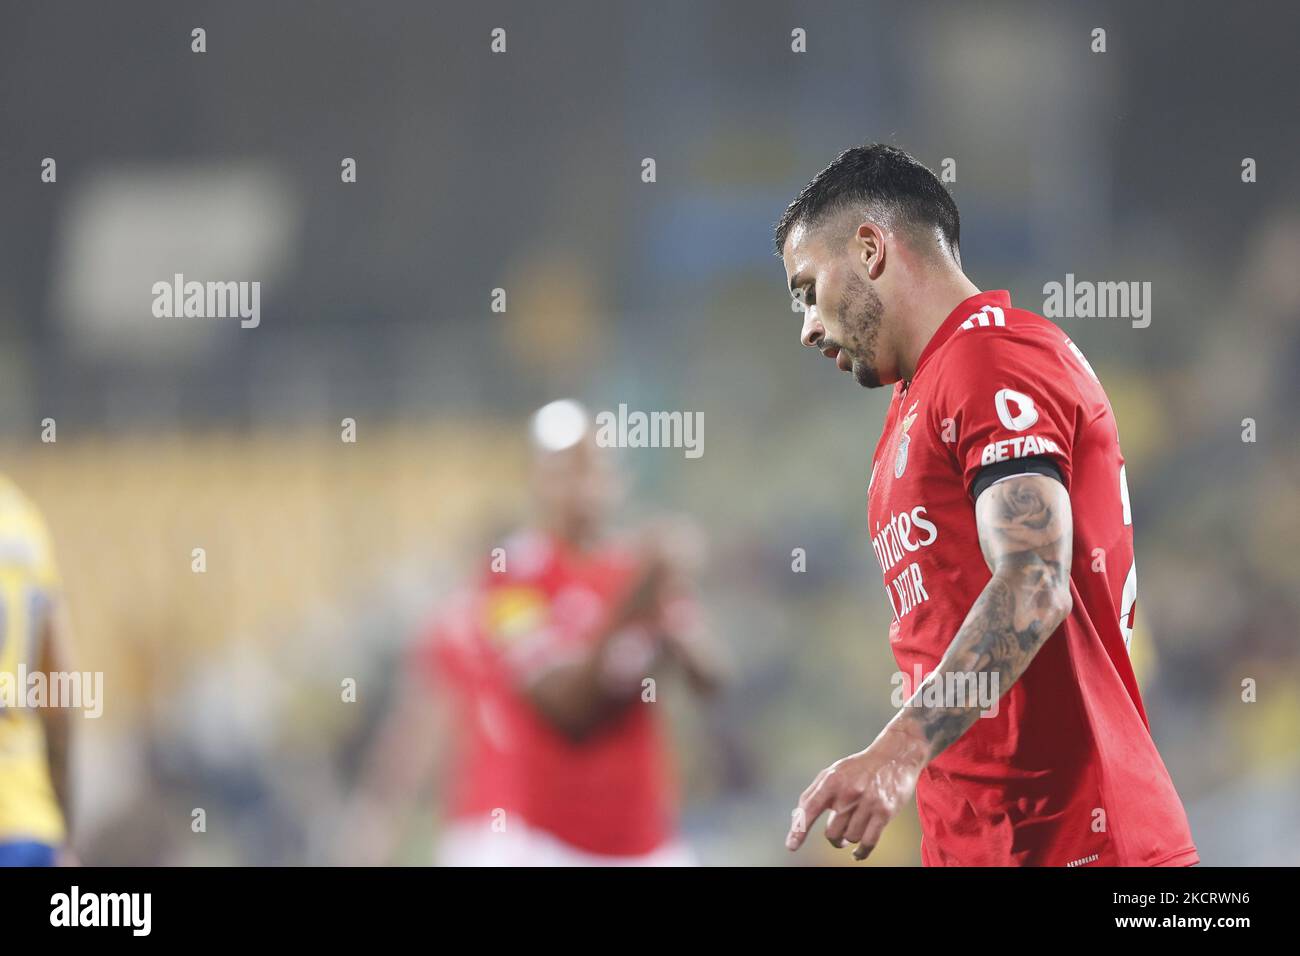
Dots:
pixel 1026 535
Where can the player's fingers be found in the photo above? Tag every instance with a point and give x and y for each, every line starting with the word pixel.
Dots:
pixel 802 820
pixel 799 820
pixel 837 823
pixel 805 815
pixel 871 835
pixel 812 787
pixel 857 824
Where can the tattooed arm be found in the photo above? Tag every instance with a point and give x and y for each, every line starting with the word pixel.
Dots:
pixel 1026 534
pixel 1025 529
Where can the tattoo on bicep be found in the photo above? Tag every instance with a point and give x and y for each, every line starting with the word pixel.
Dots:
pixel 1016 515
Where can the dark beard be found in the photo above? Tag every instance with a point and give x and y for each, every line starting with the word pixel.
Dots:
pixel 865 375
pixel 859 320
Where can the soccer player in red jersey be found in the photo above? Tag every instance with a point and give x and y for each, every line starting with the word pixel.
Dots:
pixel 999 513
pixel 560 757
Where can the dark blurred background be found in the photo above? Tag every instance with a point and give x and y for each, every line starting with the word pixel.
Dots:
pixel 522 171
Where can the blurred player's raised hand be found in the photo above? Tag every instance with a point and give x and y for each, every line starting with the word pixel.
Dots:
pixel 670 552
pixel 676 546
pixel 861 793
pixel 675 543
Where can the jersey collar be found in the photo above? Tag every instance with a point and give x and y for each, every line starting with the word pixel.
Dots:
pixel 998 297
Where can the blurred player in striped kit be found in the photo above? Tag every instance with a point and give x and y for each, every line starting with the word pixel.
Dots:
pixel 33 641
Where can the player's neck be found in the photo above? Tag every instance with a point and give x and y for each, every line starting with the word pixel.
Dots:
pixel 930 305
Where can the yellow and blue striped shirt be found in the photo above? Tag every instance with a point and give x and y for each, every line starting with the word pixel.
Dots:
pixel 29 580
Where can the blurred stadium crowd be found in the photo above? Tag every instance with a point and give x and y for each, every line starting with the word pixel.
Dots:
pixel 523 172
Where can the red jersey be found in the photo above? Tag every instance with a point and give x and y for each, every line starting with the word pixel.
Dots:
pixel 1066 773
pixel 613 792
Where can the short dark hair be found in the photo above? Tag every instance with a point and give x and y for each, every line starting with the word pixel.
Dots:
pixel 875 176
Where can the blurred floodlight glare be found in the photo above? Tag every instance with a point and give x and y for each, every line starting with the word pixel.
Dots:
pixel 559 425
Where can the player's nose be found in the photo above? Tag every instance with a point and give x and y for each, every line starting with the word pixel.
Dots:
pixel 813 330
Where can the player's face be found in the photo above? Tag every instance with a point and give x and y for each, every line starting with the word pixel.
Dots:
pixel 576 487
pixel 842 310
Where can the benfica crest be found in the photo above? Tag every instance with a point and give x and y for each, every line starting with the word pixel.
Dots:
pixel 900 460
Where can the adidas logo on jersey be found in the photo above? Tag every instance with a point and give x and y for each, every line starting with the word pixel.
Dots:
pixel 986 316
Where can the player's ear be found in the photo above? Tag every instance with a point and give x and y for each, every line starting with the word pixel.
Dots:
pixel 871 248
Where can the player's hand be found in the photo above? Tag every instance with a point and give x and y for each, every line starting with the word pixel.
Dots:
pixel 860 793
pixel 669 550
pixel 674 543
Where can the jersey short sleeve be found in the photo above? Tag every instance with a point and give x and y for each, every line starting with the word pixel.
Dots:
pixel 24 528
pixel 29 580
pixel 46 567
pixel 1004 397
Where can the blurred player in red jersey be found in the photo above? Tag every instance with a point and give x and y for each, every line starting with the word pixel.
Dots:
pixel 999 513
pixel 560 758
